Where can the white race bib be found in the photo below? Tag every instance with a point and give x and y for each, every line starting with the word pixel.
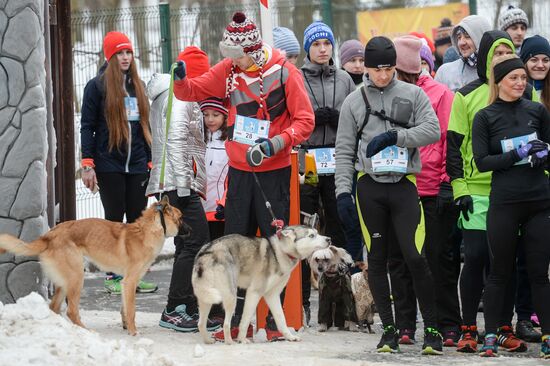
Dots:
pixel 515 142
pixel 247 130
pixel 391 159
pixel 324 160
pixel 132 109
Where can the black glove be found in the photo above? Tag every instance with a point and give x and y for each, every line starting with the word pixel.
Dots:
pixel 180 71
pixel 220 212
pixel 465 205
pixel 346 208
pixel 322 116
pixel 444 199
pixel 380 142
pixel 538 159
pixel 536 146
pixel 334 117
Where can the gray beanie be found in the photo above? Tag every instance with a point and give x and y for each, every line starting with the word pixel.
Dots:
pixel 350 49
pixel 512 16
pixel 284 39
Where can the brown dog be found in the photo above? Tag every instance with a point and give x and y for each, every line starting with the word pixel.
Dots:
pixel 128 249
pixel 364 302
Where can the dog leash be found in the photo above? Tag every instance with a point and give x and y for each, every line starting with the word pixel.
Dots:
pixel 275 222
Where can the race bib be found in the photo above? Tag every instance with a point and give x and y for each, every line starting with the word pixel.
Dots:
pixel 132 110
pixel 391 159
pixel 516 142
pixel 324 160
pixel 247 130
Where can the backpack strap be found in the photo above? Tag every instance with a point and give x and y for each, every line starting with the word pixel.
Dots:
pixel 367 115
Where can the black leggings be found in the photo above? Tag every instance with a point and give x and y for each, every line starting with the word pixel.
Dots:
pixel 122 194
pixel 395 206
pixel 504 223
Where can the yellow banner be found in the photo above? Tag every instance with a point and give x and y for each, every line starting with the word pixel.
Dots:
pixel 397 22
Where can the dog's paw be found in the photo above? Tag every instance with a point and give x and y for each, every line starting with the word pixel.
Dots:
pixel 208 340
pixel 229 341
pixel 322 328
pixel 132 332
pixel 292 338
pixel 243 341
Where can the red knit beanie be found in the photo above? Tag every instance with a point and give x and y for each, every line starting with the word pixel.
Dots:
pixel 196 61
pixel 115 42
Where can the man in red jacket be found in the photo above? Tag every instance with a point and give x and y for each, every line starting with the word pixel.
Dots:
pixel 269 109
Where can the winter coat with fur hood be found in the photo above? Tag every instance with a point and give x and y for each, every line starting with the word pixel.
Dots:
pixel 185 146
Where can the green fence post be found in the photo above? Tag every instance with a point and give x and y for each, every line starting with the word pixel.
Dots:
pixel 473 6
pixel 326 12
pixel 166 38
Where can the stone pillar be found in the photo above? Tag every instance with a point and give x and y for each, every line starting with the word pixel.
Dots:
pixel 23 140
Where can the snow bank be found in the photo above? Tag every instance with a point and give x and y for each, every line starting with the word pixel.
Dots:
pixel 32 334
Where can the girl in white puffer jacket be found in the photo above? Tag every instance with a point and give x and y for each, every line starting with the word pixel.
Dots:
pixel 215 126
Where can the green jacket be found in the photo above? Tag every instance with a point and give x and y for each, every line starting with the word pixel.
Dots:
pixel 466 180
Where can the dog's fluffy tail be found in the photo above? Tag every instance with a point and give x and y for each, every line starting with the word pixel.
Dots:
pixel 9 243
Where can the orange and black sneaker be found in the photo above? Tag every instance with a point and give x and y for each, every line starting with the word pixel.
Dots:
pixel 468 339
pixel 219 336
pixel 509 341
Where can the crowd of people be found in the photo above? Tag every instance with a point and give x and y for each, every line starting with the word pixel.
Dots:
pixel 425 151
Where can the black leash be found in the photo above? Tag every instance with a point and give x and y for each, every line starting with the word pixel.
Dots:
pixel 276 223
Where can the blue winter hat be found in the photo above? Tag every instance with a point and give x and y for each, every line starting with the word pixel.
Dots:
pixel 532 46
pixel 315 31
pixel 284 39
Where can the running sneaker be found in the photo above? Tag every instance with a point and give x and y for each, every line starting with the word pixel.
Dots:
pixel 389 340
pixel 535 320
pixel 526 331
pixel 219 336
pixel 406 336
pixel 113 284
pixel 433 342
pixel 509 341
pixel 179 320
pixel 271 331
pixel 468 339
pixel 450 338
pixel 146 287
pixel 545 347
pixel 490 346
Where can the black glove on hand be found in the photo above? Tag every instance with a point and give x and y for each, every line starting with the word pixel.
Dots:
pixel 180 71
pixel 322 116
pixel 536 146
pixel 444 199
pixel 465 205
pixel 538 159
pixel 220 212
pixel 334 117
pixel 346 208
pixel 380 142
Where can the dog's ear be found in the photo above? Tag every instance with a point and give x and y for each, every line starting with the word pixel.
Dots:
pixel 165 201
pixel 288 232
pixel 333 249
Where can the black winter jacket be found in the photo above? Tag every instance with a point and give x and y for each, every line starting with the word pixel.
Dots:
pixel 502 121
pixel 94 135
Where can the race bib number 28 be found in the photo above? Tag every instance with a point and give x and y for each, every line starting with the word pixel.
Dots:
pixel 247 130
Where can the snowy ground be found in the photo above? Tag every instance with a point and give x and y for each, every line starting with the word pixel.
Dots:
pixel 31 335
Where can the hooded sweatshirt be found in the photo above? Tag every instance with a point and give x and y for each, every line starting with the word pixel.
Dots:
pixel 327 86
pixel 185 146
pixel 403 102
pixel 466 179
pixel 458 73
pixel 288 106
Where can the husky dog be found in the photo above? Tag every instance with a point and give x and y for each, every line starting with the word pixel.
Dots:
pixel 364 302
pixel 259 265
pixel 336 302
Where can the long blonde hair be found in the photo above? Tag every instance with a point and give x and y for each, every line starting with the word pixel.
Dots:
pixel 115 110
pixel 493 87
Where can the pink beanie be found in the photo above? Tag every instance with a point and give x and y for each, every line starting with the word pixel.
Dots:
pixel 408 54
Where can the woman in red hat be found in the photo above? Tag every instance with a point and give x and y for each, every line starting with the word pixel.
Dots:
pixel 116 138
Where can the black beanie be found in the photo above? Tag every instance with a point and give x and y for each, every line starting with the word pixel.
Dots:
pixel 532 46
pixel 380 52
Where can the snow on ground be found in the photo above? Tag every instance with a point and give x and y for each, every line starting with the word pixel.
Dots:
pixel 30 334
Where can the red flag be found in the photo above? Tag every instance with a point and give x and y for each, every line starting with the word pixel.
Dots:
pixel 264 3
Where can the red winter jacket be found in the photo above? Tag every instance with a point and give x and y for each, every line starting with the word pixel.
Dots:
pixel 434 156
pixel 288 108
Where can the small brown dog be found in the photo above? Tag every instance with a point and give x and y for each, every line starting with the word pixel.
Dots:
pixel 128 249
pixel 364 302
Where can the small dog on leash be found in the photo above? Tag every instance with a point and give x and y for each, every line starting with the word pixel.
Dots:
pixel 128 249
pixel 364 302
pixel 336 301
pixel 259 265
